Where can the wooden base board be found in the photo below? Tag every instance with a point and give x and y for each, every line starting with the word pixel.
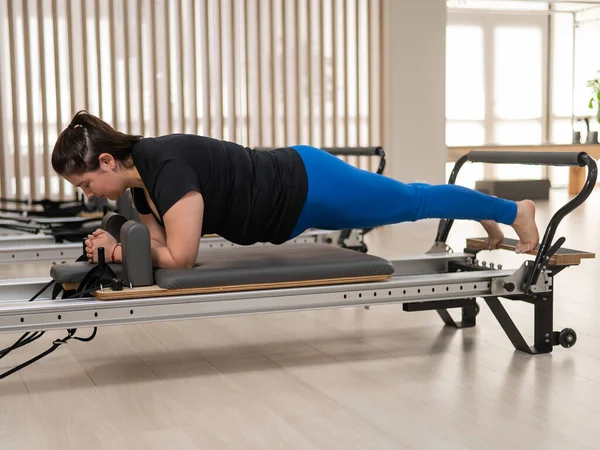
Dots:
pixel 91 215
pixel 564 257
pixel 70 286
pixel 155 291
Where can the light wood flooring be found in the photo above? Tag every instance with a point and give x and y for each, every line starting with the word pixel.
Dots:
pixel 329 379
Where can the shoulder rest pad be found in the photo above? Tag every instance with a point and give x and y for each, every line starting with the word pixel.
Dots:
pixel 74 272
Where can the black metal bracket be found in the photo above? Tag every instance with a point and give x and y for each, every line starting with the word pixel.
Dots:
pixel 544 337
pixel 360 246
pixel 469 310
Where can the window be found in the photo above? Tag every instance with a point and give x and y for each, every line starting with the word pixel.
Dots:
pixel 496 84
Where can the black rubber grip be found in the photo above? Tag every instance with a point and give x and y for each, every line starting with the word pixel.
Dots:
pixel 354 151
pixel 537 158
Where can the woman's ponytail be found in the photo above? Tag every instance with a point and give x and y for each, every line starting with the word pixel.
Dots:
pixel 79 145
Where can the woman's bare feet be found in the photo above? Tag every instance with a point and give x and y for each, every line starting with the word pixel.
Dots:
pixel 495 234
pixel 525 226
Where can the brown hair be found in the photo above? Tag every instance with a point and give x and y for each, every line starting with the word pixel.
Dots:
pixel 78 146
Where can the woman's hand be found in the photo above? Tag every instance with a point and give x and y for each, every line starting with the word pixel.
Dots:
pixel 99 238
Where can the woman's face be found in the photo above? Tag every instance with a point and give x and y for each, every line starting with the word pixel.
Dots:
pixel 105 182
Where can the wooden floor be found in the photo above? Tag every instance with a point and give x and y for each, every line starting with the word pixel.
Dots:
pixel 335 379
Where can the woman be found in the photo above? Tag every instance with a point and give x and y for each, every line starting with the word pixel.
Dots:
pixel 185 186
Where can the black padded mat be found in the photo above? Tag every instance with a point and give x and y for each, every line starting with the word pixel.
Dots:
pixel 74 272
pixel 263 264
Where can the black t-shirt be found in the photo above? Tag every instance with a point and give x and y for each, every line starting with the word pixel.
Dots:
pixel 249 195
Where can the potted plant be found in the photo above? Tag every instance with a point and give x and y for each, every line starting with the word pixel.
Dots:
pixel 594 102
pixel 595 98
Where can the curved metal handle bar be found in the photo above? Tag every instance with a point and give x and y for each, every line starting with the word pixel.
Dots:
pixel 583 160
pixel 586 190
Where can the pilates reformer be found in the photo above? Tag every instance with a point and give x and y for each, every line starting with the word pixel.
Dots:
pixel 47 222
pixel 49 208
pixel 264 279
pixel 18 228
pixel 43 208
pixel 67 229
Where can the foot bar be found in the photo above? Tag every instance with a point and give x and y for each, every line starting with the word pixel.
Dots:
pixel 537 158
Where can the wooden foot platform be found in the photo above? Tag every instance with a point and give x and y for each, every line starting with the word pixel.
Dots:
pixel 156 291
pixel 563 257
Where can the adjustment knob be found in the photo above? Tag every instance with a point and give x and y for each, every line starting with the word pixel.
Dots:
pixel 509 286
pixel 117 284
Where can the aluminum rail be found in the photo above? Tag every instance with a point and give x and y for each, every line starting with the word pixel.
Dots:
pixel 43 315
pixel 48 252
pixel 13 240
pixel 23 289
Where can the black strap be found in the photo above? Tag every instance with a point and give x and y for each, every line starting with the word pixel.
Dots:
pixel 28 337
pixel 57 343
pixel 22 228
pixel 99 275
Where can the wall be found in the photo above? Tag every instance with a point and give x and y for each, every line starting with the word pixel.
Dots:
pixel 414 89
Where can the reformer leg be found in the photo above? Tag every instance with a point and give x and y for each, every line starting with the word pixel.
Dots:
pixel 469 308
pixel 542 325
pixel 469 314
pixel 544 337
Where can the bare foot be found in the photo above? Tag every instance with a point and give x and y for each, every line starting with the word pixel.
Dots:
pixel 495 234
pixel 525 226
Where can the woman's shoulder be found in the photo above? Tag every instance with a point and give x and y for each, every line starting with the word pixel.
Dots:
pixel 174 141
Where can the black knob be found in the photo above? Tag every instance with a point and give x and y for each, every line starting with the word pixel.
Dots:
pixel 101 258
pixel 117 284
pixel 509 286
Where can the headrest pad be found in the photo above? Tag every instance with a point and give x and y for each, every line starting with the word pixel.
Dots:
pixel 74 272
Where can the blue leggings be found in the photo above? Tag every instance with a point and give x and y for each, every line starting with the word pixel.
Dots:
pixel 341 196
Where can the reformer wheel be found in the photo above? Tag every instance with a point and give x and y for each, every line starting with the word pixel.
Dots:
pixel 567 337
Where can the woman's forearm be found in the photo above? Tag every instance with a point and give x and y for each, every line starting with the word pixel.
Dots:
pixel 117 252
pixel 161 256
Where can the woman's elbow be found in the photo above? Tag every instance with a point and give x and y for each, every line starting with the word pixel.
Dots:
pixel 188 264
pixel 184 261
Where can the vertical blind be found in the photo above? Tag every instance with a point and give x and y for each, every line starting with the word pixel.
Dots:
pixel 262 73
